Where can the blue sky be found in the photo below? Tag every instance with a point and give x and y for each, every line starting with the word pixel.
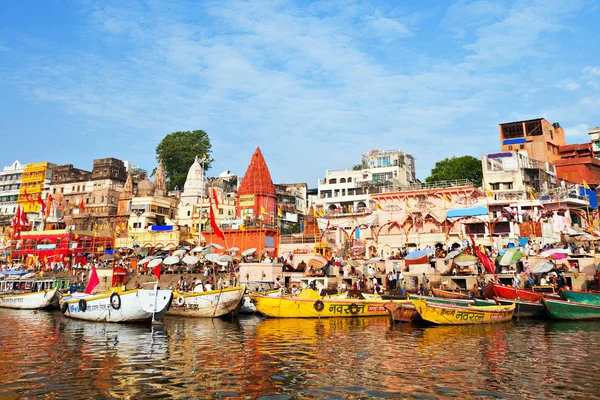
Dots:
pixel 314 84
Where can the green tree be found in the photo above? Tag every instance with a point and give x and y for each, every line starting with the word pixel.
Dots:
pixel 357 167
pixel 465 167
pixel 178 150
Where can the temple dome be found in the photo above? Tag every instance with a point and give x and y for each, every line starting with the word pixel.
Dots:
pixel 145 188
pixel 257 179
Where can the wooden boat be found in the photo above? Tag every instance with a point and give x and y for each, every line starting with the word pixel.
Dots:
pixel 28 294
pixel 447 294
pixel 310 304
pixel 493 289
pixel 403 311
pixel 592 298
pixel 138 305
pixel 560 309
pixel 523 309
pixel 443 300
pixel 210 304
pixel 448 314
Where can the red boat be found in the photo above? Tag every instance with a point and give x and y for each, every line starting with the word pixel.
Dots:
pixel 446 294
pixel 508 292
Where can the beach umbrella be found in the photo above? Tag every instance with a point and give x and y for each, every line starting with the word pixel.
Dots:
pixel 353 263
pixel 212 257
pixel 190 260
pixel 233 249
pixel 197 249
pixel 171 260
pixel 226 258
pixel 540 268
pixel 146 260
pixel 170 246
pixel 216 246
pixel 373 260
pixel 267 250
pixel 221 263
pixel 558 256
pixel 179 252
pixel 465 260
pixel 451 254
pixel 507 256
pixel 155 262
pixel 249 251
pixel 516 257
pixel 549 252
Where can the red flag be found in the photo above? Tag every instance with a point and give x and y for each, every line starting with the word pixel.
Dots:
pixel 49 205
pixel 42 204
pixel 328 225
pixel 214 193
pixel 485 260
pixel 22 217
pixel 214 225
pixel 93 282
pixel 81 205
pixel 156 271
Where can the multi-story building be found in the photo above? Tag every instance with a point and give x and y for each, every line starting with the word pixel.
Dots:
pixel 291 206
pixel 578 164
pixel 536 138
pixel 35 185
pixel 10 181
pixel 595 139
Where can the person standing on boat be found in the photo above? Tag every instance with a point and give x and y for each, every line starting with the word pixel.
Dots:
pixel 516 282
pixel 208 286
pixel 198 286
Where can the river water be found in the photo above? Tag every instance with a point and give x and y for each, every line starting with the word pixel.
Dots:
pixel 44 354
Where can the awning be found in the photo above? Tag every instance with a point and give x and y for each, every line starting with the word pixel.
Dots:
pixel 467 212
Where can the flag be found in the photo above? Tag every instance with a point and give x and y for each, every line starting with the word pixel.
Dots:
pixel 406 203
pixel 93 282
pixel 242 227
pixel 585 185
pixel 447 199
pixel 490 194
pixel 377 206
pixel 214 194
pixel 46 259
pixel 156 271
pixel 263 210
pixel 81 205
pixel 485 260
pixel 531 194
pixel 213 224
pixel 328 225
pixel 279 212
pixel 49 205
pixel 315 212
pixel 42 204
pixel 76 236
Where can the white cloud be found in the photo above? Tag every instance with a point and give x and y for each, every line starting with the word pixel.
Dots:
pixel 386 28
pixel 568 84
pixel 591 76
pixel 578 131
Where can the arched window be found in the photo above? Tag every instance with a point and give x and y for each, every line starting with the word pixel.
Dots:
pixel 342 180
pixel 333 180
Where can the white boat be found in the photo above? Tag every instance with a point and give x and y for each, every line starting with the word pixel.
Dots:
pixel 27 294
pixel 138 305
pixel 211 304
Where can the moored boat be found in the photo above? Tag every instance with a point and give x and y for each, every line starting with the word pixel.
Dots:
pixel 592 298
pixel 402 311
pixel 448 314
pixel 561 309
pixel 493 289
pixel 210 304
pixel 138 305
pixel 444 300
pixel 27 294
pixel 523 309
pixel 310 304
pixel 447 294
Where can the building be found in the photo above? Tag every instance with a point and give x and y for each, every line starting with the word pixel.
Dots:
pixel 536 138
pixel 578 164
pixel 10 182
pixel 291 206
pixel 595 139
pixel 194 190
pixel 257 195
pixel 34 188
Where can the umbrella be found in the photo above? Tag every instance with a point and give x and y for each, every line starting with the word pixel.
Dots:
pixel 197 249
pixel 516 257
pixel 249 251
pixel 558 256
pixel 179 252
pixel 542 267
pixel 190 260
pixel 507 256
pixel 171 260
pixel 212 257
pixel 221 263
pixel 549 252
pixel 465 260
pixel 233 249
pixel 374 259
pixel 451 254
pixel 145 260
pixel 353 263
pixel 418 254
pixel 155 262
pixel 170 246
pixel 216 246
pixel 268 249
pixel 226 258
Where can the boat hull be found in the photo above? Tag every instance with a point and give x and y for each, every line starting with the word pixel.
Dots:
pixel 215 303
pixel 523 309
pixel 403 311
pixel 298 307
pixel 130 306
pixel 581 297
pixel 448 294
pixel 28 301
pixel 447 314
pixel 566 310
pixel 511 293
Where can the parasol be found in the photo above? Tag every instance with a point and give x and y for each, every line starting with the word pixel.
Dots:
pixel 233 249
pixel 213 257
pixel 267 250
pixel 216 246
pixel 418 254
pixel 197 249
pixel 179 252
pixel 373 260
pixel 542 267
pixel 451 254
pixel 317 262
pixel 249 251
pixel 155 262
pixel 507 256
pixel 146 260
pixel 170 246
pixel 171 260
pixel 190 260
pixel 225 258
pixel 465 260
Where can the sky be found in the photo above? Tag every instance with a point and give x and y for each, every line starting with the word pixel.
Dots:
pixel 314 84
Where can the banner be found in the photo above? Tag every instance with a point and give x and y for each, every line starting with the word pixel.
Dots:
pixel 247 200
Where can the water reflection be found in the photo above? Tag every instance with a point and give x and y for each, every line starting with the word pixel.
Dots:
pixel 46 354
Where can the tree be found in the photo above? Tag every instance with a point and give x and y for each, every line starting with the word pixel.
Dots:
pixel 357 167
pixel 178 150
pixel 465 167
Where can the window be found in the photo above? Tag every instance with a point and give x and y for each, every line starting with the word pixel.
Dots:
pixel 522 146
pixel 495 186
pixel 510 148
pixel 189 213
pixel 508 185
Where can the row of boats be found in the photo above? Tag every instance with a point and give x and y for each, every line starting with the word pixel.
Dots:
pixel 501 303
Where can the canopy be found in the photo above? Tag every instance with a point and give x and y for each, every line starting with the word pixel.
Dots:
pixel 179 252
pixel 171 260
pixel 467 212
pixel 507 256
pixel 451 254
pixel 212 257
pixel 190 260
pixel 146 260
pixel 549 252
pixel 249 251
pixel 418 254
pixel 543 267
pixel 155 262
pixel 216 246
pixel 197 249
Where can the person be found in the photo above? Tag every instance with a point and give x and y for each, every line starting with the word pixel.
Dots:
pixel 278 284
pixel 424 281
pixel 516 282
pixel 421 290
pixel 530 282
pixel 543 281
pixel 475 291
pixel 208 286
pixel 198 287
pixel 561 281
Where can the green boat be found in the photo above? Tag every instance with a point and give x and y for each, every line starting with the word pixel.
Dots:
pixel 581 297
pixel 560 309
pixel 443 300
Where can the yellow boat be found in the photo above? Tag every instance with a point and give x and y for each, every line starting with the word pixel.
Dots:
pixel 310 304
pixel 449 314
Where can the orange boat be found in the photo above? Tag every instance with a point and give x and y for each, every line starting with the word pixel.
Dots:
pixel 447 294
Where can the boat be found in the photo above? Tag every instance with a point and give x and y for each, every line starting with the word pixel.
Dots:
pixel 493 289
pixel 448 314
pixel 449 294
pixel 592 298
pixel 209 304
pixel 523 309
pixel 137 305
pixel 561 309
pixel 310 304
pixel 402 311
pixel 444 300
pixel 28 294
